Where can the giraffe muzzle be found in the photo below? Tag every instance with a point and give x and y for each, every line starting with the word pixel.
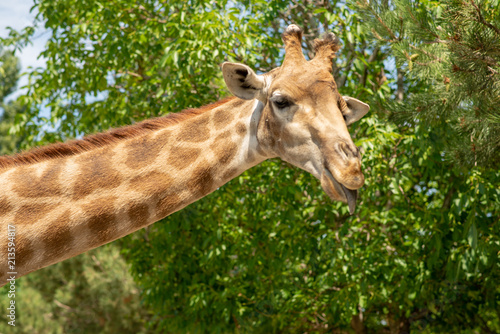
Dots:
pixel 337 191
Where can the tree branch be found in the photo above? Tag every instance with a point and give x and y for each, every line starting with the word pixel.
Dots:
pixel 481 18
pixel 379 19
pixel 400 83
pixel 371 59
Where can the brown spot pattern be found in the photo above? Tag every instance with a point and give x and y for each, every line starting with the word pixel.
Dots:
pixel 225 153
pixel 222 137
pixel 29 214
pixel 223 117
pixel 24 249
pixel 142 151
pixel 181 158
pixel 139 214
pixel 195 130
pixel 230 174
pixel 5 207
pixel 164 137
pixel 202 179
pixel 151 183
pixel 96 172
pixel 58 238
pixel 27 184
pixel 241 129
pixel 102 221
pixel 167 205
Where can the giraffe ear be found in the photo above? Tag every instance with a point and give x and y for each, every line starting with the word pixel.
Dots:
pixel 242 81
pixel 355 109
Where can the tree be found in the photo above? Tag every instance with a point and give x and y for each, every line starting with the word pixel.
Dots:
pixel 269 252
pixel 453 47
pixel 9 74
pixel 90 293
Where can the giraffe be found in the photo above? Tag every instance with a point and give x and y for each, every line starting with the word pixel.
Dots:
pixel 67 198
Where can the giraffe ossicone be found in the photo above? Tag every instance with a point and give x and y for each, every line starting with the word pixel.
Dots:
pixel 67 198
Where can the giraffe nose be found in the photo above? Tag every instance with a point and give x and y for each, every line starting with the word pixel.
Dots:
pixel 348 151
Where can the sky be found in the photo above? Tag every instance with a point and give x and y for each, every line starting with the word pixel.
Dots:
pixel 16 14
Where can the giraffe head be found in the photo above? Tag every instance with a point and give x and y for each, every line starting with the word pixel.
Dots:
pixel 304 119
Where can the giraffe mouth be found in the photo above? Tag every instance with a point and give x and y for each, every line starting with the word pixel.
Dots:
pixel 337 191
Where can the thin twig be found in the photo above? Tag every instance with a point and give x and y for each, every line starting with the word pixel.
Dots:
pixel 426 53
pixel 61 305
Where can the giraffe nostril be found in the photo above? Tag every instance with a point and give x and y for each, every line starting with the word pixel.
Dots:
pixel 348 151
pixel 342 151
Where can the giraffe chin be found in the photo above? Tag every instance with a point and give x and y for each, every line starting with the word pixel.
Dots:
pixel 337 191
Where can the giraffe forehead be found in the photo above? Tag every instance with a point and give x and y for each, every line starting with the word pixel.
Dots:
pixel 304 89
pixel 303 80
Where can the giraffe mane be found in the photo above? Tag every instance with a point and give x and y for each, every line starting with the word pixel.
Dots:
pixel 87 143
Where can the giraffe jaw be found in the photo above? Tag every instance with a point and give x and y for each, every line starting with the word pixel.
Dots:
pixel 337 191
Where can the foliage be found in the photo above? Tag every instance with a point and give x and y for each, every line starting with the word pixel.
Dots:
pixel 453 46
pixel 269 252
pixel 90 293
pixel 9 74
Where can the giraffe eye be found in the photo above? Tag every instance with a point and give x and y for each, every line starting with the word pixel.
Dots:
pixel 281 102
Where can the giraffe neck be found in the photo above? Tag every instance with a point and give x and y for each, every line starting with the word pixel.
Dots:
pixel 65 206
